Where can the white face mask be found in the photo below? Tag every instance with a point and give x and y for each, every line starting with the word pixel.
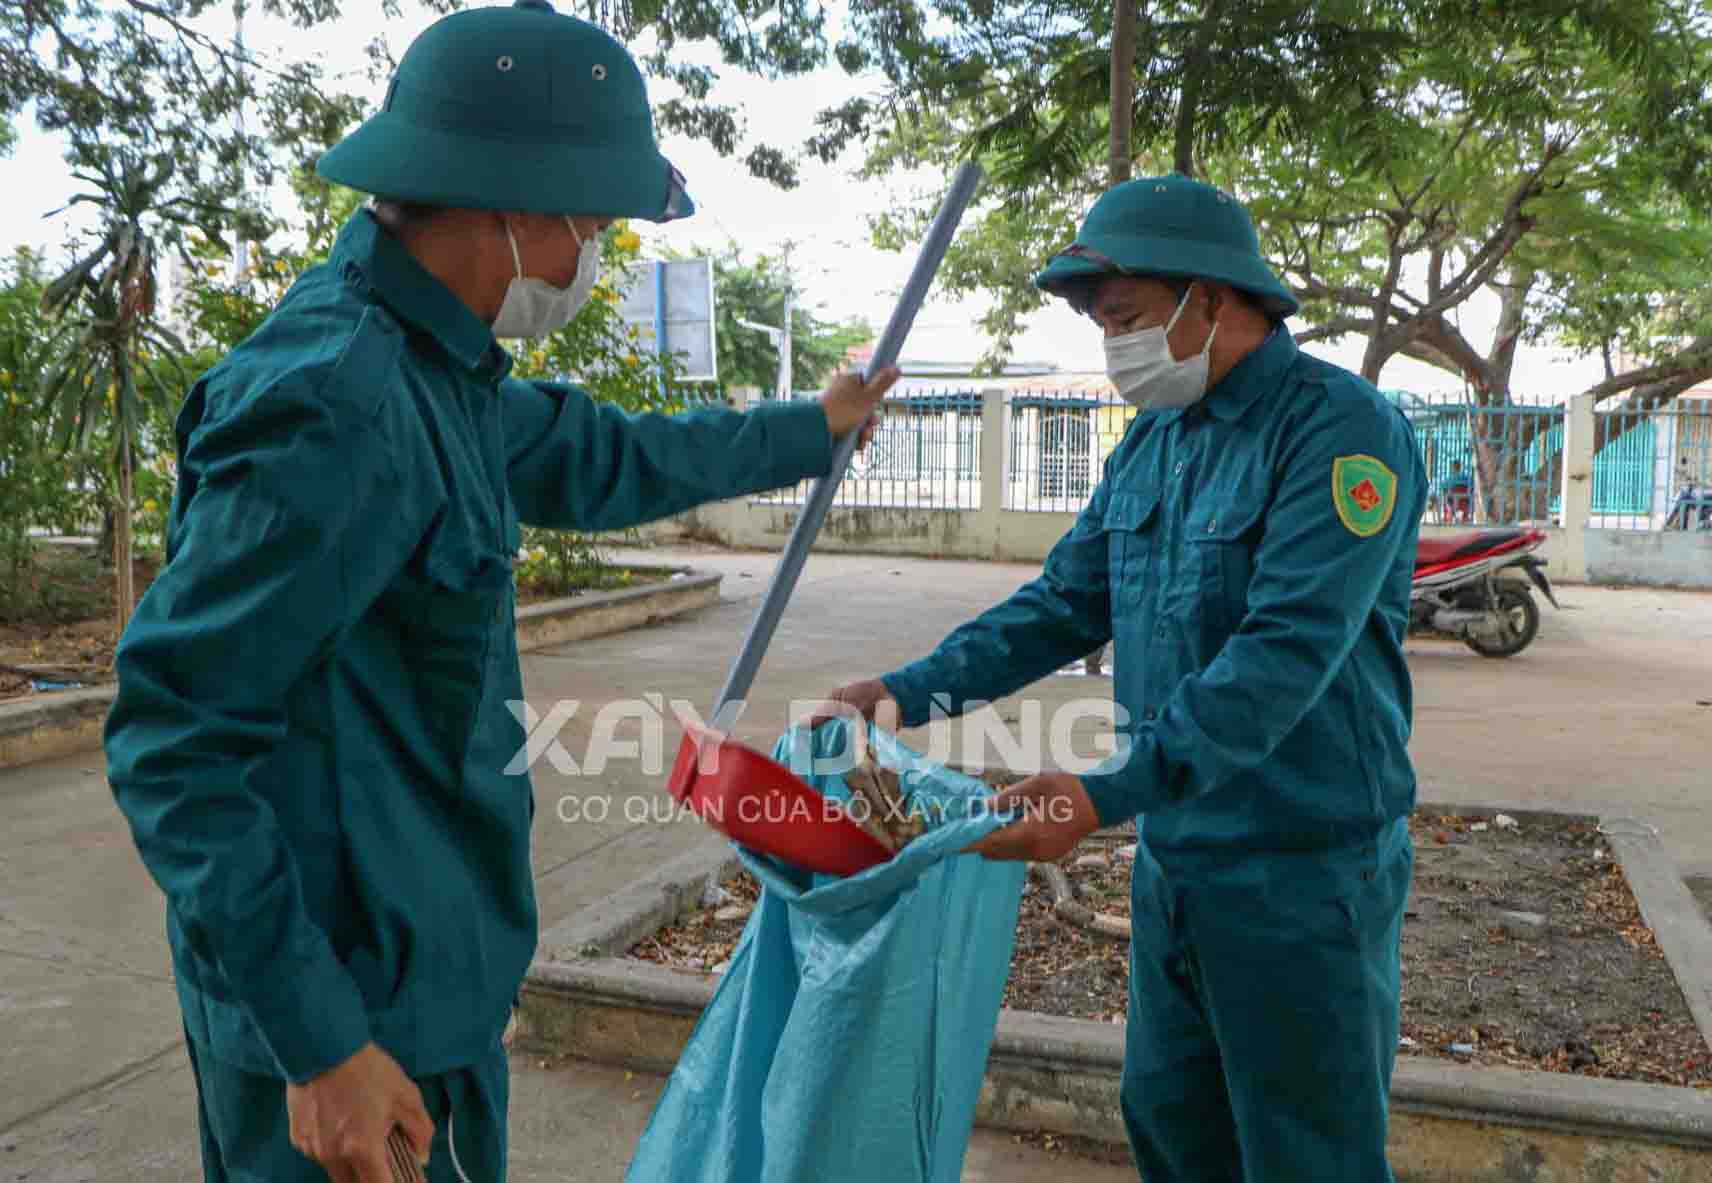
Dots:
pixel 1140 365
pixel 535 308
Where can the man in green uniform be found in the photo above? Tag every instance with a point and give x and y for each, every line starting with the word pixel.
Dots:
pixel 1249 552
pixel 310 731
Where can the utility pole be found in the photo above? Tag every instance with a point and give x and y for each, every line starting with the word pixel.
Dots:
pixel 241 248
pixel 785 336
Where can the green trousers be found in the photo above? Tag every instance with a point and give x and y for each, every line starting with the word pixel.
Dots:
pixel 1263 1013
pixel 246 1133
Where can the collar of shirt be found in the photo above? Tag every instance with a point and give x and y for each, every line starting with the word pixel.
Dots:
pixel 417 297
pixel 1253 376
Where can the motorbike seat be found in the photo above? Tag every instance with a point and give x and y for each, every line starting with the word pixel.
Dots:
pixel 1450 547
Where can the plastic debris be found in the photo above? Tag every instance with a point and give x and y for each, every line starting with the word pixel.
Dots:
pixel 1093 862
pixel 1479 827
pixel 1521 925
pixel 1505 822
pixel 715 896
pixel 732 913
pixel 1462 1049
pixel 1406 1042
pixel 1127 852
pixel 40 685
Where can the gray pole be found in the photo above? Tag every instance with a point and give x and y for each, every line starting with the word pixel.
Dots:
pixel 796 550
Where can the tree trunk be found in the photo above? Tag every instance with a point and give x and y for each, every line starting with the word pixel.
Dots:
pixel 1123 91
pixel 124 588
pixel 1373 359
pixel 1188 104
pixel 104 547
pixel 1512 313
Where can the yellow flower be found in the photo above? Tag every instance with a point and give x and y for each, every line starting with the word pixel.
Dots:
pixel 630 359
pixel 151 505
pixel 628 241
pixel 538 554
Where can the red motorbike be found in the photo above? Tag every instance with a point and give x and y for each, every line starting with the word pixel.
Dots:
pixel 1461 588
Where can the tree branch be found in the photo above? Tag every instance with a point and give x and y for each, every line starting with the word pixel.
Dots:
pixel 1510 230
pixel 1333 329
pixel 1420 351
pixel 1663 381
pixel 1444 163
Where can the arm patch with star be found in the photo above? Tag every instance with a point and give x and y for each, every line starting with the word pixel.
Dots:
pixel 1364 491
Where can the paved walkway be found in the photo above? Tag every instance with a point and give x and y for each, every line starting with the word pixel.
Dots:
pixel 1601 715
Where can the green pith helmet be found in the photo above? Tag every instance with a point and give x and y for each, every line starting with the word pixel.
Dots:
pixel 1170 227
pixel 514 108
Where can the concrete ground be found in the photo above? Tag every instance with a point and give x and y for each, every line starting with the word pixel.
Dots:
pixel 1607 713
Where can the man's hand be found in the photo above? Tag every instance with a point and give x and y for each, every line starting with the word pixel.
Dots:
pixel 1054 813
pixel 850 403
pixel 341 1118
pixel 870 699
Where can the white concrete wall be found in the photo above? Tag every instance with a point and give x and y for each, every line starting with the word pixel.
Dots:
pixel 1662 558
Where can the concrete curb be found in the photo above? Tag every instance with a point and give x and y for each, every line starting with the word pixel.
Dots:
pixel 1451 1123
pixel 607 928
pixel 45 728
pixel 597 614
pixel 1683 934
pixel 68 722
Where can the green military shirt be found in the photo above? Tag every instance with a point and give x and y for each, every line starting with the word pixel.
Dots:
pixel 1250 559
pixel 310 731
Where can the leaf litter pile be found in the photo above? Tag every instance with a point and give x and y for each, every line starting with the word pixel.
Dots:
pixel 1522 946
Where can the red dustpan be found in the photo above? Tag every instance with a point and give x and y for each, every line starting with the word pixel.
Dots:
pixel 733 788
pixel 765 806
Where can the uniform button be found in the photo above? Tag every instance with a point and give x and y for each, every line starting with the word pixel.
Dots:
pixel 1212 525
pixel 1178 471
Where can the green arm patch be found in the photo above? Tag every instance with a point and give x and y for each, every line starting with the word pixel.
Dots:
pixel 1365 493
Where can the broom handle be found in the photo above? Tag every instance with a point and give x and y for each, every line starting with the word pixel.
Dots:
pixel 795 554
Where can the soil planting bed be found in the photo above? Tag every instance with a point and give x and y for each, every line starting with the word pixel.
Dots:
pixel 1523 946
pixel 66 638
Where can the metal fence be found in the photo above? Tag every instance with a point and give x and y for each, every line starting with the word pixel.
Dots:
pixel 925 454
pixel 1486 465
pixel 1057 447
pixel 1683 434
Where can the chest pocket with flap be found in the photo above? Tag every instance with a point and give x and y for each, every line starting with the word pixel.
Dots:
pixel 448 605
pixel 1132 546
pixel 1220 535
